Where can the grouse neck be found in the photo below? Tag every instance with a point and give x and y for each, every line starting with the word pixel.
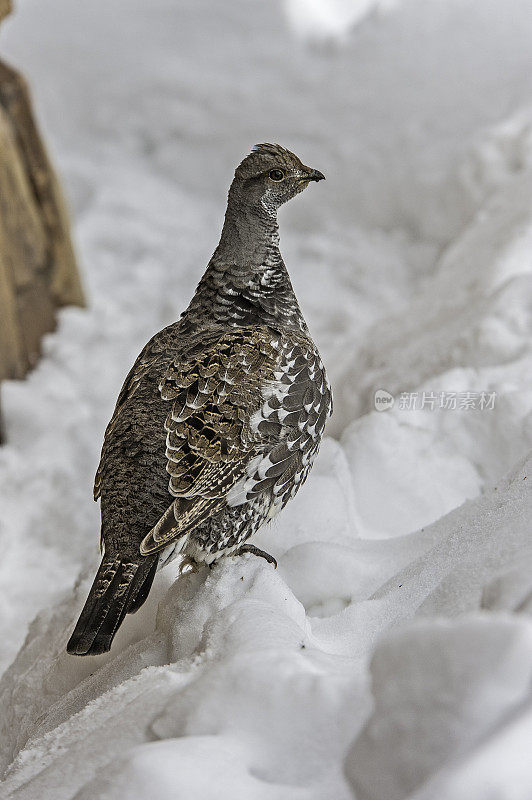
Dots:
pixel 246 282
pixel 250 236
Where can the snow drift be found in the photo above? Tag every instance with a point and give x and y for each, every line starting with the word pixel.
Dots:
pixel 389 655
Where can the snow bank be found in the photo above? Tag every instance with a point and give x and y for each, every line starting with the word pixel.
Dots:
pixel 388 656
pixel 448 694
pixel 329 20
pixel 241 662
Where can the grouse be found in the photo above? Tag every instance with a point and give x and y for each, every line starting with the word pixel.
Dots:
pixel 230 402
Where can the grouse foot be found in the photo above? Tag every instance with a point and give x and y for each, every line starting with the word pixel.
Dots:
pixel 250 548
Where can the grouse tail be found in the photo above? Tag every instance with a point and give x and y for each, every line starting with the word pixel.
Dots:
pixel 120 587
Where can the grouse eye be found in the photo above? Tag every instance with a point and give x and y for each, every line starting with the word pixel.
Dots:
pixel 276 175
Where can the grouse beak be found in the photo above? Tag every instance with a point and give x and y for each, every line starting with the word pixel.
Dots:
pixel 315 175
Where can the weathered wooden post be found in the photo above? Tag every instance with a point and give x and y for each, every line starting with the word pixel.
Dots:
pixel 38 272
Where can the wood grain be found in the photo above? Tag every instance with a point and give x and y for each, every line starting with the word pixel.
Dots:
pixel 38 272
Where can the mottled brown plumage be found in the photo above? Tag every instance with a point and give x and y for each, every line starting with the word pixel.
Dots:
pixel 221 416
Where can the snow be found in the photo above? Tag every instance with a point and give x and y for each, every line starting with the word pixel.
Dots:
pixel 388 657
pixel 465 680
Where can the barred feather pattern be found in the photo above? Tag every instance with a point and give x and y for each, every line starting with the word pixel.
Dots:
pixel 220 418
pixel 247 418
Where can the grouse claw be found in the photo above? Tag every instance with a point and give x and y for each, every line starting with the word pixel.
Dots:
pixel 250 548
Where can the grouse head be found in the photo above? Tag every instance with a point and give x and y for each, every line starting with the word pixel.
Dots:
pixel 269 176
